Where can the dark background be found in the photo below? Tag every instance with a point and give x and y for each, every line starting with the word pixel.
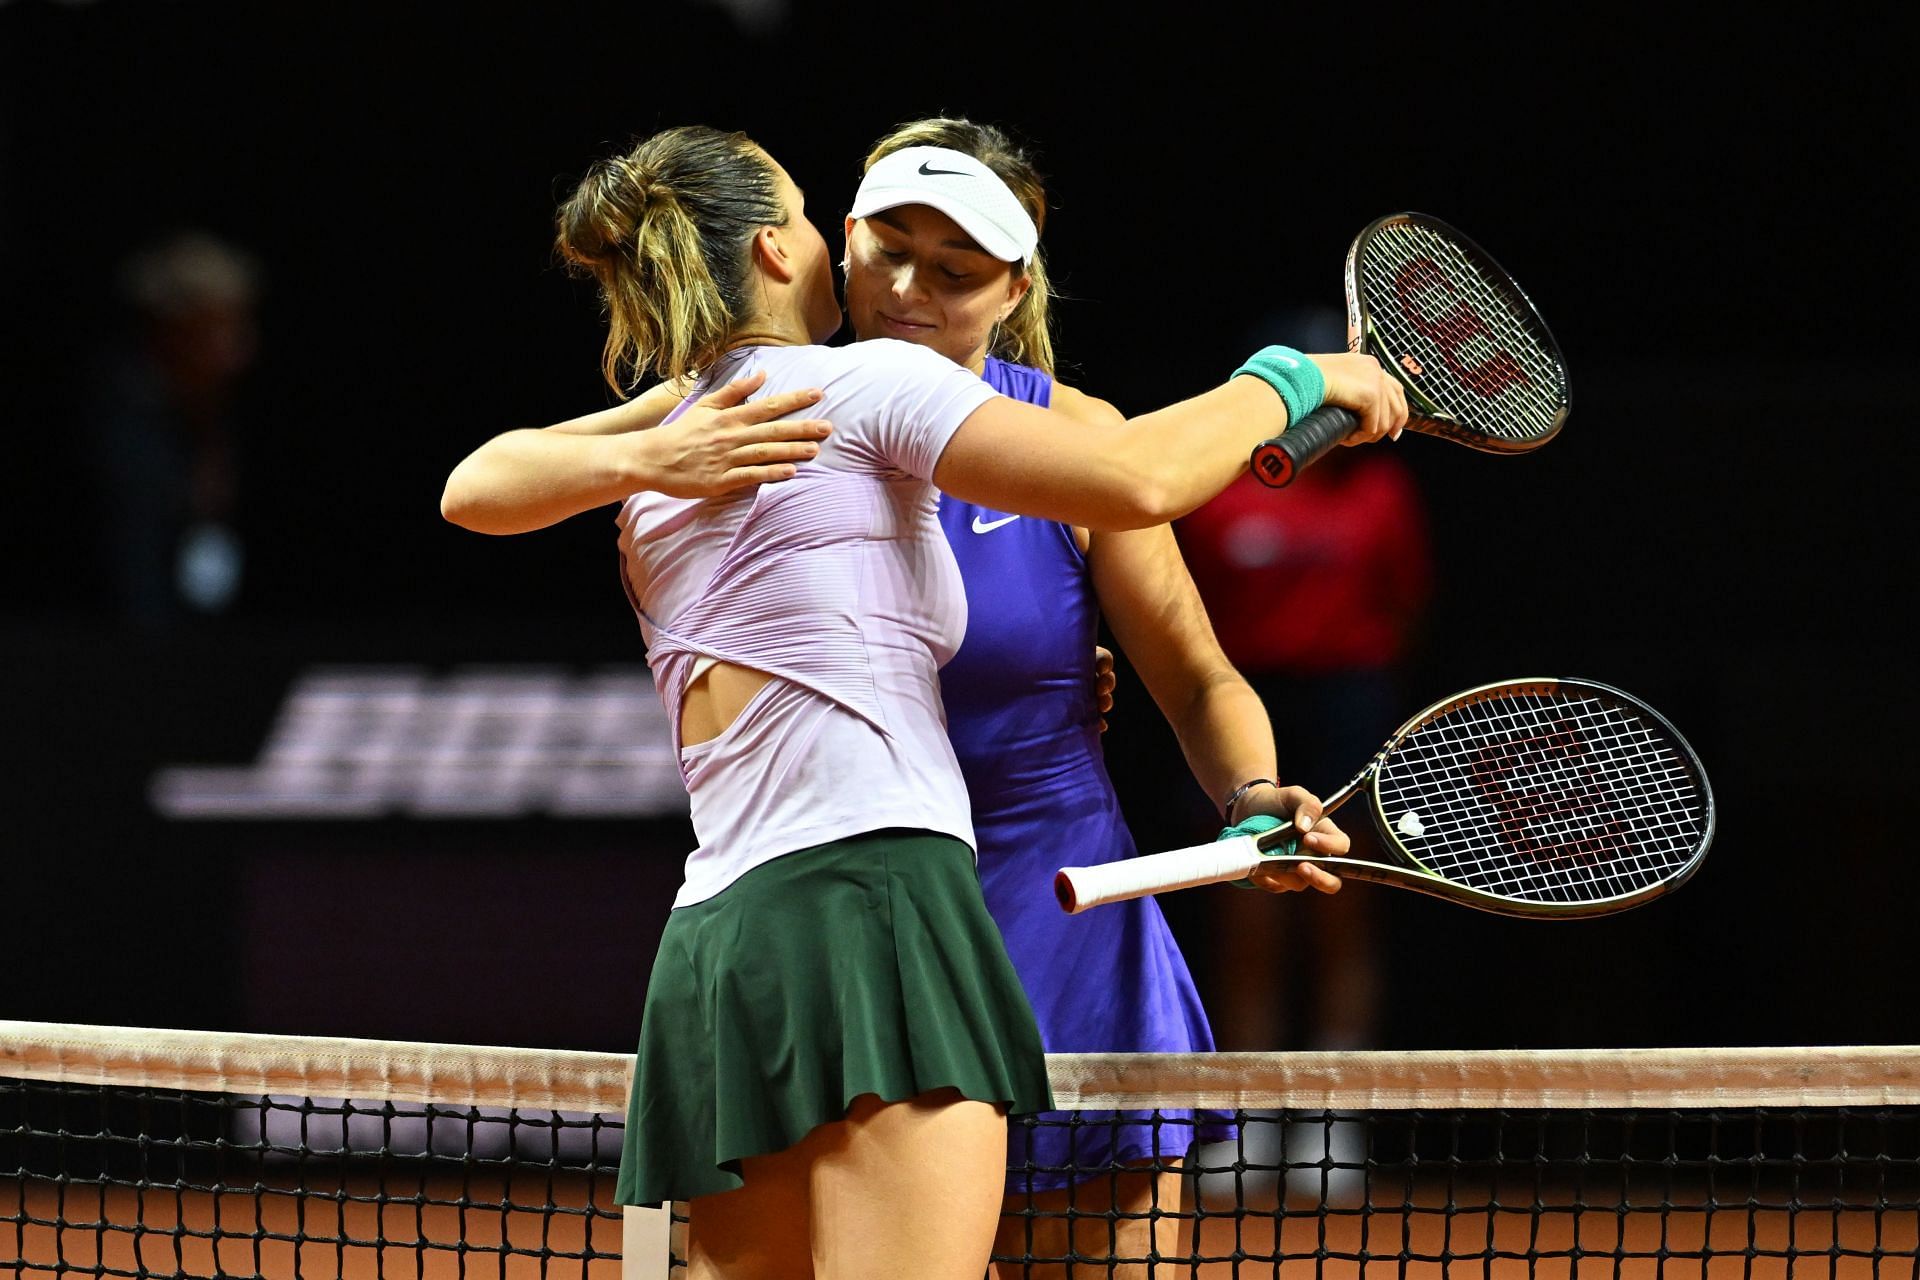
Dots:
pixel 1707 217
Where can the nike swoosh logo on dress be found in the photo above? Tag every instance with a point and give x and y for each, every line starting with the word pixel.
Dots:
pixel 988 526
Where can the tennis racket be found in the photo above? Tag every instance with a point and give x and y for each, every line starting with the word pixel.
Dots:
pixel 1540 798
pixel 1479 364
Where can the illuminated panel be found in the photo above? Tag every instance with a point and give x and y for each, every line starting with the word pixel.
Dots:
pixel 377 742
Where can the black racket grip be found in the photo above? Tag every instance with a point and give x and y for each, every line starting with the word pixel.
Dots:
pixel 1278 460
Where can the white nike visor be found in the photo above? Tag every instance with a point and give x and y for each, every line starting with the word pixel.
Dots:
pixel 957 185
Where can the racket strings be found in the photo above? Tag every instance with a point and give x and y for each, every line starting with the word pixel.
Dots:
pixel 1559 812
pixel 1476 351
pixel 1544 797
pixel 1550 834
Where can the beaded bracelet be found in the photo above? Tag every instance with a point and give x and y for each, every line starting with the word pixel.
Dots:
pixel 1298 379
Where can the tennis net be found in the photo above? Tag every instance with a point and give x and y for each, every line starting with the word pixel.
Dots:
pixel 137 1152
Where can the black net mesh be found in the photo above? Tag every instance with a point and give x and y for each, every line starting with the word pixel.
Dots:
pixel 1731 1163
pixel 1827 1191
pixel 97 1180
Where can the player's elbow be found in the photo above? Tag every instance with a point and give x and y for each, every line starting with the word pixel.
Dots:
pixel 1149 487
pixel 455 505
pixel 1145 500
pixel 461 503
pixel 1162 502
pixel 1139 501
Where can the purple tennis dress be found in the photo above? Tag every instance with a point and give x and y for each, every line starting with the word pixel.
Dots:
pixel 1022 717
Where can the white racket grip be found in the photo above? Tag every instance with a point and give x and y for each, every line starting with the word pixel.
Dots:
pixel 1078 888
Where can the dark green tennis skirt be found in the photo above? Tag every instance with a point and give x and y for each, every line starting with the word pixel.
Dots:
pixel 866 965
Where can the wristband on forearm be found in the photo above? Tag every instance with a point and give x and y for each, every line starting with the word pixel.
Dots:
pixel 1298 379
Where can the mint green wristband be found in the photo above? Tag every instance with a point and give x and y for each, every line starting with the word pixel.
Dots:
pixel 1298 380
pixel 1254 825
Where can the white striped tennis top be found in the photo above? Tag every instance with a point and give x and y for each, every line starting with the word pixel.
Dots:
pixel 840 584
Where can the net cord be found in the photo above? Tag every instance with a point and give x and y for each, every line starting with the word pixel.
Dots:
pixel 316 1067
pixel 401 1071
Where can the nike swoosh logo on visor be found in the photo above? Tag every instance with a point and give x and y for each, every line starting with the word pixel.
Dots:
pixel 988 526
pixel 949 173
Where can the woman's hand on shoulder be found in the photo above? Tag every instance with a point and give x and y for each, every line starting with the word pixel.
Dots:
pixel 1325 840
pixel 725 442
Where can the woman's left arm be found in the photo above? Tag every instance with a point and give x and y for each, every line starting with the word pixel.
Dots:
pixel 1149 600
pixel 1153 608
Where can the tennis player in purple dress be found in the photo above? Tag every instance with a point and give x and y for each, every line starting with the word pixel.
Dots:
pixel 1022 718
pixel 1021 702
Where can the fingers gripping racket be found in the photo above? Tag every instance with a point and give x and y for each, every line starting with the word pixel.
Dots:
pixel 1478 362
pixel 1540 798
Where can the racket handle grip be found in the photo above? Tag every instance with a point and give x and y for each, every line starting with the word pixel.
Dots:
pixel 1277 461
pixel 1078 888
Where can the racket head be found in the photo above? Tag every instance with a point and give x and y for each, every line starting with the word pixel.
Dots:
pixel 1480 366
pixel 1549 797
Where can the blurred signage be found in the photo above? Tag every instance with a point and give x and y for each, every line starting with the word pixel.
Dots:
pixel 378 742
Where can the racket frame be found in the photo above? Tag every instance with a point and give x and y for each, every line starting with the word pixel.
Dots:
pixel 1276 463
pixel 1415 875
pixel 1424 414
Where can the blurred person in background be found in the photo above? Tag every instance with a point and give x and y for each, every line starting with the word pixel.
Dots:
pixel 165 434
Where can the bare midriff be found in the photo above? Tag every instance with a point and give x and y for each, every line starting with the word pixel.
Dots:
pixel 715 700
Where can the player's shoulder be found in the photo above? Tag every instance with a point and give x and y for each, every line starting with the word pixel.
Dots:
pixel 857 369
pixel 882 371
pixel 1081 407
pixel 891 354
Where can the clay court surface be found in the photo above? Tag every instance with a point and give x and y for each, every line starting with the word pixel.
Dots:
pixel 432 1241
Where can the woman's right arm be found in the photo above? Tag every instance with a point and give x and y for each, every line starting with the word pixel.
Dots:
pixel 531 478
pixel 1017 457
